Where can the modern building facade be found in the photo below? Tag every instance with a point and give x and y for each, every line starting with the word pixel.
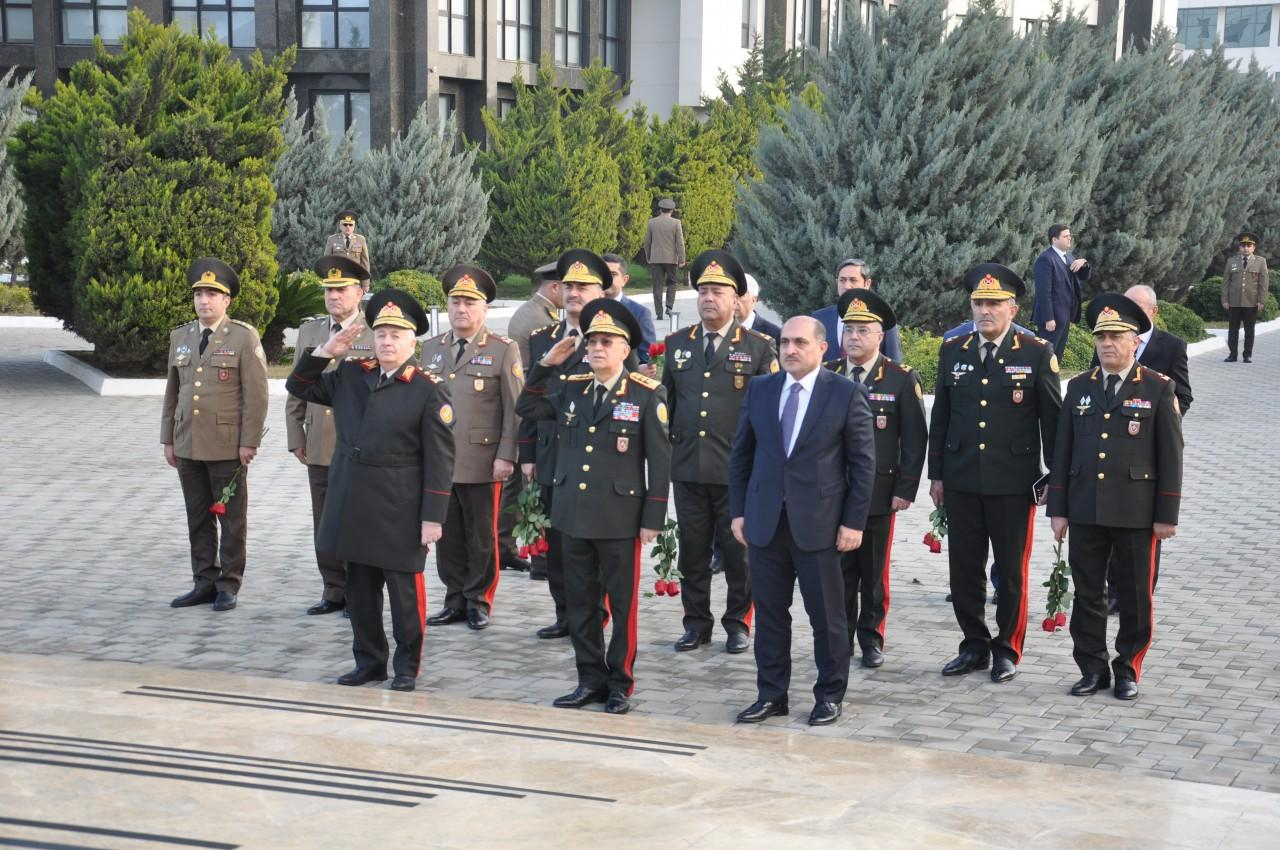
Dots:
pixel 1246 30
pixel 373 63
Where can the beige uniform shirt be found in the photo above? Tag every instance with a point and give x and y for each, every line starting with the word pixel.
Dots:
pixel 310 425
pixel 664 240
pixel 216 402
pixel 1244 283
pixel 358 250
pixel 483 386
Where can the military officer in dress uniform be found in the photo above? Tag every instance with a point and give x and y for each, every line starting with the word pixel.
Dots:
pixel 310 426
pixel 995 409
pixel 611 429
pixel 1244 294
pixel 390 479
pixel 347 243
pixel 1116 483
pixel 897 403
pixel 583 276
pixel 484 375
pixel 707 370
pixel 215 402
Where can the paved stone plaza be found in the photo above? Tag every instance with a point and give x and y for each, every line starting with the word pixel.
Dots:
pixel 92 544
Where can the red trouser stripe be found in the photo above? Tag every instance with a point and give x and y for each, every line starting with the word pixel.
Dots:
pixel 751 612
pixel 1151 612
pixel 884 576
pixel 1020 630
pixel 497 556
pixel 633 635
pixel 420 585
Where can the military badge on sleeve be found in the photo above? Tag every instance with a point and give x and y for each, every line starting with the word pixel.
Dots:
pixel 662 413
pixel 446 414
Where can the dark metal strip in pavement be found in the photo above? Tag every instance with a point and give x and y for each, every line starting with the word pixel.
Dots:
pixel 405 720
pixel 207 780
pixel 72 751
pixel 462 785
pixel 117 833
pixel 32 844
pixel 437 717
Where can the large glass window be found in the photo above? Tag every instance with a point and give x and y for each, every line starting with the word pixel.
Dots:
pixel 835 22
pixel 82 19
pixel 455 27
pixel 230 20
pixel 748 22
pixel 446 105
pixel 15 22
pixel 505 105
pixel 1197 27
pixel 515 30
pixel 335 23
pixel 611 32
pixel 807 22
pixel 571 15
pixel 343 109
pixel 1247 26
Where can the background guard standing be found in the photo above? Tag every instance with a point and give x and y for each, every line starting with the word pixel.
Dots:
pixel 347 243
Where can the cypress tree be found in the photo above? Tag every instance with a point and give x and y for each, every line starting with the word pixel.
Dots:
pixel 12 209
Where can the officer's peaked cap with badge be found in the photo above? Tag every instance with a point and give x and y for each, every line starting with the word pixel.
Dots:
pixel 1112 311
pixel 993 282
pixel 1247 238
pixel 463 281
pixel 666 204
pixel 347 216
pixel 578 265
pixel 863 305
pixel 212 273
pixel 546 271
pixel 335 270
pixel 398 309
pixel 716 266
pixel 610 316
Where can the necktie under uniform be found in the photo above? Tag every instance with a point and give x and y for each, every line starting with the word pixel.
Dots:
pixel 857 374
pixel 1113 381
pixel 204 339
pixel 710 351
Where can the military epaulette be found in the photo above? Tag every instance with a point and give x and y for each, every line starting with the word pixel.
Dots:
pixel 428 376
pixel 543 329
pixel 833 365
pixel 1032 338
pixel 951 340
pixel 901 367
pixel 366 363
pixel 643 380
pixel 500 338
pixel 755 332
pixel 581 376
pixel 244 325
pixel 437 338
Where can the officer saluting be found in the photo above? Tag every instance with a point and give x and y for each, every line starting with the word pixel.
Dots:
pixel 611 428
pixel 1116 481
pixel 347 243
pixel 484 375
pixel 995 408
pixel 310 426
pixel 897 403
pixel 707 370
pixel 389 483
pixel 215 402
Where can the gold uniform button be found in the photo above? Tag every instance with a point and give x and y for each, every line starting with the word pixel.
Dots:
pixel 590 449
pixel 982 424
pixel 1106 416
pixel 564 377
pixel 195 398
pixel 706 374
pixel 591 429
pixel 195 413
pixel 328 411
pixel 586 467
pixel 1102 455
pixel 199 368
pixel 702 413
pixel 702 433
pixel 982 447
pixel 197 383
pixel 1105 435
pixel 631 492
pixel 983 402
pixel 582 486
pixel 705 394
pixel 452 375
pixel 984 382
pixel 1101 475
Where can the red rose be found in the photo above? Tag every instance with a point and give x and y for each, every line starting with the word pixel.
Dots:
pixel 673 588
pixel 928 538
pixel 523 552
pixel 936 546
pixel 218 508
pixel 1049 624
pixel 660 587
pixel 656 348
pixel 1060 618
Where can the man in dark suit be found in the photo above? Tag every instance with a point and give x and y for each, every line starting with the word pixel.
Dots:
pixel 897 402
pixel 750 319
pixel 1116 483
pixel 1058 274
pixel 648 333
pixel 995 409
pixel 389 483
pixel 853 273
pixel 800 479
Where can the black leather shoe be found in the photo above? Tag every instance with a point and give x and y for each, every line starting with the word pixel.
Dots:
pixel 1090 684
pixel 581 696
pixel 477 619
pixel 361 675
pixel 446 616
pixel 692 640
pixel 1231 358
pixel 872 657
pixel 1003 669
pixel 965 663
pixel 1248 359
pixel 326 606
pixel 825 713
pixel 737 643
pixel 762 709
pixel 403 683
pixel 558 629
pixel 514 564
pixel 537 575
pixel 196 596
pixel 1126 688
pixel 225 601
pixel 618 703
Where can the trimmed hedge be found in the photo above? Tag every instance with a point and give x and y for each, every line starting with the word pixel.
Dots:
pixel 422 286
pixel 920 352
pixel 1078 354
pixel 1181 322
pixel 16 301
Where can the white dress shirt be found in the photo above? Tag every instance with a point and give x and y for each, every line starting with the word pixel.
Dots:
pixel 802 403
pixel 1143 339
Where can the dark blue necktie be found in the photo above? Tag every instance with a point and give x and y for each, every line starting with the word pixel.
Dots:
pixel 789 416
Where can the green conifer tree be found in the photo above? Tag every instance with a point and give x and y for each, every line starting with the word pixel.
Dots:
pixel 13 89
